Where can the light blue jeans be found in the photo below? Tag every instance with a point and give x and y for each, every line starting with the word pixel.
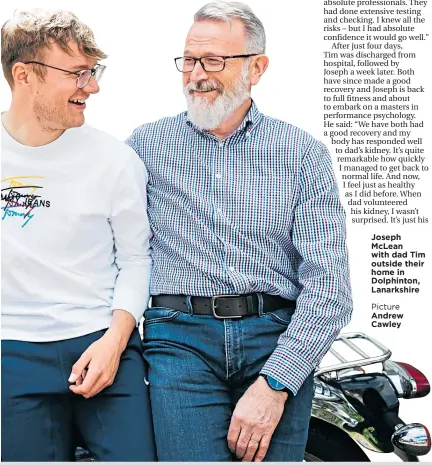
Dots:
pixel 199 367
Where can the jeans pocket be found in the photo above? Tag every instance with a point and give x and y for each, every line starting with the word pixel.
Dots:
pixel 282 316
pixel 159 315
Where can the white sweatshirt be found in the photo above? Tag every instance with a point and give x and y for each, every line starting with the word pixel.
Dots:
pixel 75 235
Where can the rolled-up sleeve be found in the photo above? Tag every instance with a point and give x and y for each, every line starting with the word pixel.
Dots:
pixel 132 236
pixel 324 305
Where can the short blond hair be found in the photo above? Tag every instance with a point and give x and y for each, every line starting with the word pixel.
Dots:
pixel 25 36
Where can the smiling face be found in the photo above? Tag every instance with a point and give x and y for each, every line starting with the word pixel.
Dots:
pixel 56 101
pixel 213 96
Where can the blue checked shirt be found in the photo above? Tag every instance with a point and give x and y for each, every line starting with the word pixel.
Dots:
pixel 256 212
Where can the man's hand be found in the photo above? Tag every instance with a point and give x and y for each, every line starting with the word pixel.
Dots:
pixel 98 365
pixel 254 420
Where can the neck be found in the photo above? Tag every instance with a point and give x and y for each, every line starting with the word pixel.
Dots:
pixel 233 121
pixel 25 127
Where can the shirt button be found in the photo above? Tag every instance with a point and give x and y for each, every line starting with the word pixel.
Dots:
pixel 220 145
pixel 218 175
pixel 231 268
pixel 219 210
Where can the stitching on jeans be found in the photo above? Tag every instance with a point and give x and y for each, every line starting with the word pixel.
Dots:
pixel 51 427
pixel 161 319
pixel 241 345
pixel 103 447
pixel 64 374
pixel 278 319
pixel 226 349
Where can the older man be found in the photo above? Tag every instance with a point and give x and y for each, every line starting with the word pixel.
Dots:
pixel 75 256
pixel 250 282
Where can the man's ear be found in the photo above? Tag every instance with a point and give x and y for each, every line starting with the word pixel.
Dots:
pixel 20 73
pixel 259 66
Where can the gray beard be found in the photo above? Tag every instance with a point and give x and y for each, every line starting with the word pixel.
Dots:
pixel 208 116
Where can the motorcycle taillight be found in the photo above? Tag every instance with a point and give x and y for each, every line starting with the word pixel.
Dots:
pixel 419 383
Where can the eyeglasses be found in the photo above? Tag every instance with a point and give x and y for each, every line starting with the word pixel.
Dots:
pixel 84 75
pixel 212 64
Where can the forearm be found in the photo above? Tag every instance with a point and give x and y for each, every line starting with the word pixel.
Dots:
pixel 324 305
pixel 323 308
pixel 307 339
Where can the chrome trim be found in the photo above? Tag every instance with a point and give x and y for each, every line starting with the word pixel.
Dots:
pixel 348 372
pixel 402 381
pixel 365 359
pixel 414 439
pixel 330 405
pixel 323 392
pixel 413 385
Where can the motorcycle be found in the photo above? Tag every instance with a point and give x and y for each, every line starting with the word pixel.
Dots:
pixel 356 408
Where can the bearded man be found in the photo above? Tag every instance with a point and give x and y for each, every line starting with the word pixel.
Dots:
pixel 250 283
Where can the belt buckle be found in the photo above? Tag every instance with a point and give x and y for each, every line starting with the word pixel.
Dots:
pixel 214 306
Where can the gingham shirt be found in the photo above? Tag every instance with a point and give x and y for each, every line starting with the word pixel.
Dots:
pixel 256 212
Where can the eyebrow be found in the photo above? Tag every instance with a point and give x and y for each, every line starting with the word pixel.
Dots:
pixel 80 67
pixel 207 54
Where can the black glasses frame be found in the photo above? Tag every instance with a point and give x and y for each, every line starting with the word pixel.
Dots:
pixel 203 66
pixel 93 71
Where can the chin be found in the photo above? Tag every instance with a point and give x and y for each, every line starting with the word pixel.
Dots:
pixel 206 97
pixel 76 123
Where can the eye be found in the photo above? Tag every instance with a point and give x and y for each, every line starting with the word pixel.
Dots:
pixel 213 60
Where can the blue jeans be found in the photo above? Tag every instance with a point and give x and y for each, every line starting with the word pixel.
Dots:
pixel 199 367
pixel 40 415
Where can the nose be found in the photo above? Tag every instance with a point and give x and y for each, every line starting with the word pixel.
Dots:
pixel 92 87
pixel 198 73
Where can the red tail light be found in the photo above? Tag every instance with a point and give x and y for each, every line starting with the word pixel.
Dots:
pixel 419 382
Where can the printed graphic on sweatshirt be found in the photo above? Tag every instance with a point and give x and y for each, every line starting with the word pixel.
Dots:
pixel 21 196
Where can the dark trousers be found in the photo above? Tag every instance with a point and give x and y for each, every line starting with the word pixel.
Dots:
pixel 40 415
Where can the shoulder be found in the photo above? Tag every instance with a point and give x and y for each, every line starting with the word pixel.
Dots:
pixel 157 130
pixel 299 144
pixel 104 145
pixel 290 134
pixel 93 136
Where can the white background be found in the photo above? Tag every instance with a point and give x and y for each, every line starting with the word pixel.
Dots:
pixel 141 84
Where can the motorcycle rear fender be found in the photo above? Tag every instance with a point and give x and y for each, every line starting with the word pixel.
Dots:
pixel 338 412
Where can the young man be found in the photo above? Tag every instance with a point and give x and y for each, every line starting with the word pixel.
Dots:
pixel 75 256
pixel 250 282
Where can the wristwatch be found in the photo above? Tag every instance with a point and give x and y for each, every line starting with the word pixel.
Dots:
pixel 276 385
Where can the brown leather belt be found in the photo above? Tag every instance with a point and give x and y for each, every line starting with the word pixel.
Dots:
pixel 223 306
